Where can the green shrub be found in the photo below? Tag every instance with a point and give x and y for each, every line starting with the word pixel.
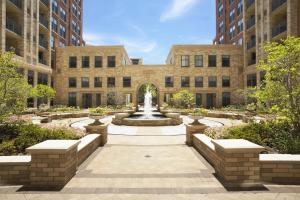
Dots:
pixel 15 138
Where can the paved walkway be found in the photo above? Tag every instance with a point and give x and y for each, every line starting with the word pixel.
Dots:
pixel 147 167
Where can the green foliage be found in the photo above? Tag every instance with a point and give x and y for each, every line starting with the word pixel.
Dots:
pixel 280 92
pixel 43 91
pixel 183 99
pixel 275 134
pixel 98 111
pixel 14 89
pixel 15 138
pixel 63 108
pixel 148 87
pixel 198 112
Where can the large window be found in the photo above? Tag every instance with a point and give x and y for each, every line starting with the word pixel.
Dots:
pixel 212 61
pixel 226 81
pixel 72 62
pixel 226 99
pixel 85 82
pixel 185 81
pixel 62 31
pixel 42 79
pixel 231 15
pixel 126 81
pixel 97 82
pixel 63 14
pixel 30 77
pixel 72 82
pixel 85 61
pixel 185 61
pixel 198 61
pixel 198 81
pixel 54 6
pixel 225 61
pixel 198 100
pixel 72 99
pixel 251 80
pixel 212 81
pixel 111 82
pixel 111 61
pixel 98 61
pixel 54 24
pixel 169 81
pixel 98 99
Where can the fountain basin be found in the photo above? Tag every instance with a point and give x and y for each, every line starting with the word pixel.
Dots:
pixel 148 122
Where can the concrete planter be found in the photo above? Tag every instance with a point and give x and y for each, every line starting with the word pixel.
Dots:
pixel 97 119
pixel 196 119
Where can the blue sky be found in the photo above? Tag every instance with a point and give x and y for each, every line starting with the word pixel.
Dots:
pixel 148 28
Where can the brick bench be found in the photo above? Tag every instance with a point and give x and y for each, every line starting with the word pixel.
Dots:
pixel 87 146
pixel 14 170
pixel 280 168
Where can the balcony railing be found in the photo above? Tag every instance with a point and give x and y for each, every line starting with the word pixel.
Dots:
pixel 43 43
pixel 280 28
pixel 250 22
pixel 251 62
pixel 42 61
pixel 249 3
pixel 44 21
pixel 13 26
pixel 251 44
pixel 277 3
pixel 46 2
pixel 13 49
pixel 17 3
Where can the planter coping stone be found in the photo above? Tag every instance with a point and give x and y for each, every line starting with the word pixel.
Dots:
pixel 53 146
pixel 237 145
pixel 15 160
pixel 279 157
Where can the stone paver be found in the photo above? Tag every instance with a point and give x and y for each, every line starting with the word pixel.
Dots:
pixel 148 167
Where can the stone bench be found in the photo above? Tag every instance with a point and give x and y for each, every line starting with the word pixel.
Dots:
pixel 203 144
pixel 280 168
pixel 14 170
pixel 87 146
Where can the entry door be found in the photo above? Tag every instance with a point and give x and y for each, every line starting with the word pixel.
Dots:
pixel 87 101
pixel 198 100
pixel 211 100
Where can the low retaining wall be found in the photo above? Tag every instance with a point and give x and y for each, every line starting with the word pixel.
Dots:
pixel 280 168
pixel 52 116
pixel 52 163
pixel 239 164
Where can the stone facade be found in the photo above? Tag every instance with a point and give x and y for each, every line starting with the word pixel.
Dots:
pixel 141 74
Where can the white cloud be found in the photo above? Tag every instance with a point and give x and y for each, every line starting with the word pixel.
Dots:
pixel 177 9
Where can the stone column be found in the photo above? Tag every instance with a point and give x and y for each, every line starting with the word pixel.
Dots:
pixel 239 163
pixel 98 129
pixel 193 129
pixel 53 163
pixel 35 83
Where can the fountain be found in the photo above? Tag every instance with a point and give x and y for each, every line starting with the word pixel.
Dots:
pixel 148 104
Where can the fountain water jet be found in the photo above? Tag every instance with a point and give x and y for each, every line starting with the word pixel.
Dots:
pixel 148 105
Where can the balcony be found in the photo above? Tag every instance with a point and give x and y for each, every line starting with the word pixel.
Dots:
pixel 42 61
pixel 44 21
pixel 251 62
pixel 251 44
pixel 45 2
pixel 13 26
pixel 250 22
pixel 13 49
pixel 43 43
pixel 280 28
pixel 249 3
pixel 17 3
pixel 277 3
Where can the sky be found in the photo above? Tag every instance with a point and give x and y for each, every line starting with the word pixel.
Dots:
pixel 148 28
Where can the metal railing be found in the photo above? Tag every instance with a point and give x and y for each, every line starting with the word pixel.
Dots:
pixel 46 2
pixel 42 61
pixel 44 21
pixel 17 3
pixel 43 43
pixel 280 28
pixel 250 22
pixel 13 26
pixel 277 3
pixel 249 3
pixel 251 44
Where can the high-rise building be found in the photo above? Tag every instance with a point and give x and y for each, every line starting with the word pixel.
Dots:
pixel 66 24
pixel 25 29
pixel 229 22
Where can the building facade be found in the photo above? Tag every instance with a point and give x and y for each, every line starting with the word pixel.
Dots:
pixel 25 29
pixel 92 76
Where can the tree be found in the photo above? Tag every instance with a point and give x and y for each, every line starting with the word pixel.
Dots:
pixel 280 92
pixel 43 92
pixel 14 89
pixel 183 99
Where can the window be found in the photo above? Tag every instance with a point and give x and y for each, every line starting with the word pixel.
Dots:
pixel 232 31
pixel 62 31
pixel 54 24
pixel 85 61
pixel 226 81
pixel 97 82
pixel 111 82
pixel 220 10
pixel 98 61
pixel 198 81
pixel 240 41
pixel 74 9
pixel 126 81
pixel 72 62
pixel 212 81
pixel 198 61
pixel 63 14
pixel 251 80
pixel 98 100
pixel 226 99
pixel 240 25
pixel 73 40
pixel 62 44
pixel 167 98
pixel 74 25
pixel 169 81
pixel 52 41
pixel 111 61
pixel 221 41
pixel 185 81
pixel 54 6
pixel 231 16
pixel 198 99
pixel 42 79
pixel 221 27
pixel 240 7
pixel 30 77
pixel 185 61
pixel 72 99
pixel 225 61
pixel 212 61
pixel 85 82
pixel 72 82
